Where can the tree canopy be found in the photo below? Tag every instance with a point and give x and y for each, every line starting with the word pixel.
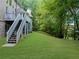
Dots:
pixel 51 16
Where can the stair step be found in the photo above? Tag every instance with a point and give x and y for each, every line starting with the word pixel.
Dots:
pixel 11 41
pixel 13 37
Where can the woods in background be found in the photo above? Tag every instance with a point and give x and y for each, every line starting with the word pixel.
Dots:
pixel 59 18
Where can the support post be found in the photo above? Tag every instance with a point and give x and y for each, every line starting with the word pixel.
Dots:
pixel 27 27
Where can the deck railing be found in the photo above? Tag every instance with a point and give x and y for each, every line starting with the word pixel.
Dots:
pixel 29 25
pixel 24 19
pixel 21 27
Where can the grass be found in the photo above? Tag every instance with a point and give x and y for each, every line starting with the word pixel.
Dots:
pixel 41 46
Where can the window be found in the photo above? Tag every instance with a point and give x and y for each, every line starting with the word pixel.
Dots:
pixel 10 2
pixel 7 1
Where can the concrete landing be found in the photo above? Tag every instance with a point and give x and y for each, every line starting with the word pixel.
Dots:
pixel 8 45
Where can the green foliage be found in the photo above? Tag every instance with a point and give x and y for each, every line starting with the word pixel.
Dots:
pixel 51 15
pixel 32 4
pixel 55 13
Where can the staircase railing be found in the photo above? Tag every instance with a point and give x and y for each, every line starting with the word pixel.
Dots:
pixel 20 30
pixel 29 23
pixel 13 26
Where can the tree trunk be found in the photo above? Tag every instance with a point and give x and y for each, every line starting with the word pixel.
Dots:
pixel 61 34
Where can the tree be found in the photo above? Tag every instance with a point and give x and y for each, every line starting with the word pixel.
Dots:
pixel 59 10
pixel 32 4
pixel 51 15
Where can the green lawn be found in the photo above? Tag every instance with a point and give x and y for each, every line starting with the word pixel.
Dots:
pixel 41 46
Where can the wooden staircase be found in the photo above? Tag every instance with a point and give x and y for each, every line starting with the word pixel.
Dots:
pixel 12 39
pixel 19 26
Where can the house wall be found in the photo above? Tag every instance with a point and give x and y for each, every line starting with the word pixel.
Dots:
pixel 11 8
pixel 2 13
pixel 2 28
pixel 2 9
pixel 8 12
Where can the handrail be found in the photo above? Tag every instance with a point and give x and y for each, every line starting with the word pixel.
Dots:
pixel 30 22
pixel 20 30
pixel 23 23
pixel 28 18
pixel 13 26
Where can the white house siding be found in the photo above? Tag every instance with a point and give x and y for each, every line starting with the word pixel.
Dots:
pixel 12 9
pixel 2 9
pixel 2 28
pixel 9 15
pixel 2 13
